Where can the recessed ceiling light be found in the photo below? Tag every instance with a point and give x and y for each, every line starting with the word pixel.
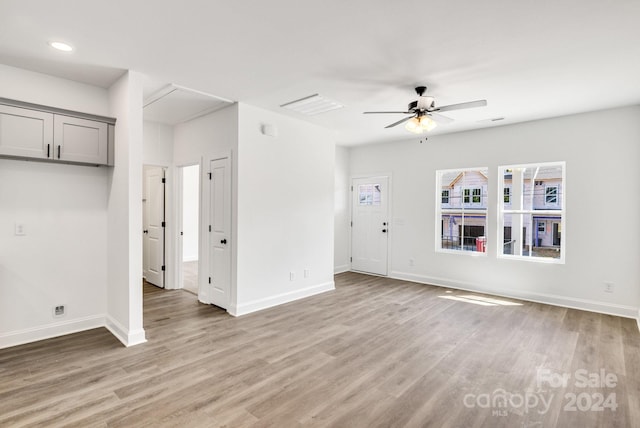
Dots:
pixel 61 46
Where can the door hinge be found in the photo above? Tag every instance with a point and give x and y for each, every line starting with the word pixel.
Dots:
pixel 164 224
pixel 209 176
pixel 351 223
pixel 181 233
pixel 352 188
pixel 209 228
pixel 163 268
pixel 164 180
pixel 209 280
pixel 350 259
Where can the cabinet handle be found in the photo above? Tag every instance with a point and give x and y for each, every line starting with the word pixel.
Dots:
pixel 48 147
pixel 58 152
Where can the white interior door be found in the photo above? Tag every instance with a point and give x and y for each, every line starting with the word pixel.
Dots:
pixel 370 225
pixel 154 222
pixel 220 232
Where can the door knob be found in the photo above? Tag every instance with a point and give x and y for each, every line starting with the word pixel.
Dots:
pixel 384 224
pixel 384 230
pixel 223 241
pixel 145 231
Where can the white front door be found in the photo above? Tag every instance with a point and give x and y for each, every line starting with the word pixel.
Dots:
pixel 370 225
pixel 153 223
pixel 220 233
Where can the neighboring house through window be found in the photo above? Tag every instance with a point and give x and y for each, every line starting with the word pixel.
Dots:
pixel 461 212
pixel 533 231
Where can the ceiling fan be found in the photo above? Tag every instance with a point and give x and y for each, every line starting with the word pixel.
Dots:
pixel 424 115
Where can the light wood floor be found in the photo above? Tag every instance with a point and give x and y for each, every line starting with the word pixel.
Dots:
pixel 190 276
pixel 374 353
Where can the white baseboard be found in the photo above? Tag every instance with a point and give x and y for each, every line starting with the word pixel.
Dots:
pixel 279 299
pixel 532 296
pixel 124 335
pixel 341 269
pixel 52 330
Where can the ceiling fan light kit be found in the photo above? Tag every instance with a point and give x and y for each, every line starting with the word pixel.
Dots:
pixel 424 114
pixel 421 124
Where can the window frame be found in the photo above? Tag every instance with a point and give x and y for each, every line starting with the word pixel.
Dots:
pixel 465 209
pixel 558 210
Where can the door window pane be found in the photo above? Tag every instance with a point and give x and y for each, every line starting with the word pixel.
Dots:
pixel 369 194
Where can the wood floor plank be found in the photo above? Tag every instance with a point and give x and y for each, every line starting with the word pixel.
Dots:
pixel 375 352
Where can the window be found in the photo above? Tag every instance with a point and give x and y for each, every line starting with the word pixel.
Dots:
pixel 476 197
pixel 472 196
pixel 461 212
pixel 531 229
pixel 369 194
pixel 551 195
pixel 467 196
pixel 445 196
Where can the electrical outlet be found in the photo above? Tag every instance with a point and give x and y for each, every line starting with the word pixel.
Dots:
pixel 307 273
pixel 58 311
pixel 292 276
pixel 609 287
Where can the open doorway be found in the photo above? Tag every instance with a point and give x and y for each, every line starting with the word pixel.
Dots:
pixel 189 211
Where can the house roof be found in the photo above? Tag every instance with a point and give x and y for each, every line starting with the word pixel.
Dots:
pixel 453 177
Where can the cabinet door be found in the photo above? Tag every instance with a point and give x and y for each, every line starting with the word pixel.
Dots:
pixel 80 140
pixel 24 132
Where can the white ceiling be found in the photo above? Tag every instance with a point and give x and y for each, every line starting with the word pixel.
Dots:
pixel 529 59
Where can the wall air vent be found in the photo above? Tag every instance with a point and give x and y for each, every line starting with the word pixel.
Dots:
pixel 313 104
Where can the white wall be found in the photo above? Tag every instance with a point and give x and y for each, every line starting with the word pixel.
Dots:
pixel 342 216
pixel 62 259
pixel 601 150
pixel 157 147
pixel 38 88
pixel 285 210
pixel 199 141
pixel 124 291
pixel 190 215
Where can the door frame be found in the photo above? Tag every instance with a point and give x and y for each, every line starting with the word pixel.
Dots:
pixel 391 222
pixel 177 259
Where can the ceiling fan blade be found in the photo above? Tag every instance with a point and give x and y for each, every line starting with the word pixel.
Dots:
pixel 470 104
pixel 387 112
pixel 440 118
pixel 399 122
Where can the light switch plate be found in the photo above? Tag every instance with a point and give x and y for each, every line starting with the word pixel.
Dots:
pixel 20 230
